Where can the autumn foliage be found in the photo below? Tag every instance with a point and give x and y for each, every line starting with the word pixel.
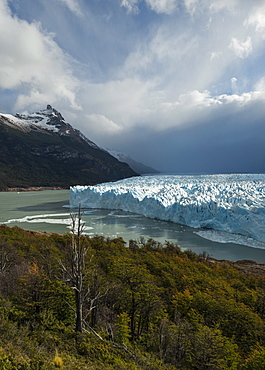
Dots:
pixel 157 307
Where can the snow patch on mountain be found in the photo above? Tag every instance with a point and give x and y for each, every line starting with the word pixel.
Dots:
pixel 16 122
pixel 231 203
pixel 48 119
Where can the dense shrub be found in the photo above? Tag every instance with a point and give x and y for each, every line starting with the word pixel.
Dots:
pixel 149 306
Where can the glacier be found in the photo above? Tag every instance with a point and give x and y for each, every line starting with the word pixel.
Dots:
pixel 233 203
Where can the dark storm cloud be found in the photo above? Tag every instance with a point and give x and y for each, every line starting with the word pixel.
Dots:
pixel 178 84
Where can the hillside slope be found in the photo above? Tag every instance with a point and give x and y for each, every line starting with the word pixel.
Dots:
pixel 148 306
pixel 42 149
pixel 136 166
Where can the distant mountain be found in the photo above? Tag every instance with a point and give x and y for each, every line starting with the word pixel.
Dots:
pixel 42 150
pixel 136 166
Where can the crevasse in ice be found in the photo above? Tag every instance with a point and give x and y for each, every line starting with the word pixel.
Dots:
pixel 232 203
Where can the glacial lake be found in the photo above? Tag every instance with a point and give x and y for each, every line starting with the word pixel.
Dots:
pixel 48 210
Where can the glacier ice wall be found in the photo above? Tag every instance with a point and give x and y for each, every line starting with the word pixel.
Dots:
pixel 232 203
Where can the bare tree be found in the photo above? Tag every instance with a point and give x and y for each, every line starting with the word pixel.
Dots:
pixel 77 270
pixel 4 258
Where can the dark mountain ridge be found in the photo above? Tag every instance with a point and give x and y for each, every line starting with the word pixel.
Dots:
pixel 43 150
pixel 138 167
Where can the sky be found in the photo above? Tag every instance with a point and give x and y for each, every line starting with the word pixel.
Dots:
pixel 178 85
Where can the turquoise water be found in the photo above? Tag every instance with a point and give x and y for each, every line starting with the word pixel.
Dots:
pixel 49 211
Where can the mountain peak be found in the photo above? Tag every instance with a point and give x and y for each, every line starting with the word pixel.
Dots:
pixel 52 112
pixel 49 119
pixel 44 140
pixel 45 121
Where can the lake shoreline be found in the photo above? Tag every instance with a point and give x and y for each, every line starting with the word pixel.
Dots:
pixel 34 188
pixel 245 266
pixel 44 211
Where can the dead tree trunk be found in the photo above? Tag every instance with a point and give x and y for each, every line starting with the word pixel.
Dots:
pixel 78 265
pixel 76 268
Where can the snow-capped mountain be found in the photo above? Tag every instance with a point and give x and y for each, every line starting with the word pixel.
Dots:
pixel 229 203
pixel 42 149
pixel 136 166
pixel 48 119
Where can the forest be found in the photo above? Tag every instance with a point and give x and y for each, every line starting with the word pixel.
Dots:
pixel 77 302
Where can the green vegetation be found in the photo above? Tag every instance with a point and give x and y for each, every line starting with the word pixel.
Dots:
pixel 64 160
pixel 145 306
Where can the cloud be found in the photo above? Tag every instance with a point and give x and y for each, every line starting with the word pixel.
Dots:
pixel 213 6
pixel 73 6
pixel 202 132
pixel 122 102
pixel 167 77
pixel 102 123
pixel 194 107
pixel 191 5
pixel 130 5
pixel 257 18
pixel 234 85
pixel 158 6
pixel 32 63
pixel 163 6
pixel 242 49
pixel 218 5
pixel 260 85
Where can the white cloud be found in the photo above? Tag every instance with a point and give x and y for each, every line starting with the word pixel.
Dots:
pixel 124 102
pixel 130 106
pixel 191 5
pixel 217 5
pixel 195 98
pixel 98 122
pixel 32 63
pixel 260 85
pixel 163 76
pixel 257 18
pixel 163 56
pixel 169 6
pixel 162 6
pixel 130 5
pixel 73 6
pixel 165 81
pixel 234 85
pixel 242 49
pixel 214 6
pixel 158 6
pixel 215 55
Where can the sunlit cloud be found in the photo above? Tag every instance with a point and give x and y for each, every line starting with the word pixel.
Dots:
pixel 260 85
pixel 103 123
pixel 242 49
pixel 131 71
pixel 257 19
pixel 130 5
pixel 38 69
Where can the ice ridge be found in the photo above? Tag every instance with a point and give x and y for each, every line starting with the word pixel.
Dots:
pixel 231 203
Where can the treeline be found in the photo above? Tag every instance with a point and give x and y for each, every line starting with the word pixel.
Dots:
pixel 146 306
